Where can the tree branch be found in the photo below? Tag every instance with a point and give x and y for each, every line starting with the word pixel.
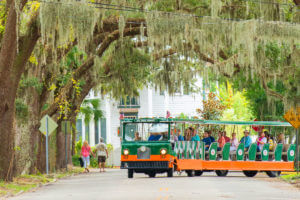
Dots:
pixel 67 90
pixel 271 92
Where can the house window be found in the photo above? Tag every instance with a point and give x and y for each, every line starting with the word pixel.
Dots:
pixel 96 131
pixel 129 102
pixel 78 129
pixel 103 128
pixel 87 132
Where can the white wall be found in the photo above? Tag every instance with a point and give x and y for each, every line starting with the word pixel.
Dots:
pixel 158 104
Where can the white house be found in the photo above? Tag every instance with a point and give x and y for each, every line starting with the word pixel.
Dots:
pixel 150 103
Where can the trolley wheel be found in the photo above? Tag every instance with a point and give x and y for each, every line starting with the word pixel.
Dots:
pixel 221 172
pixel 198 172
pixel 273 174
pixel 152 174
pixel 170 172
pixel 250 173
pixel 190 173
pixel 130 173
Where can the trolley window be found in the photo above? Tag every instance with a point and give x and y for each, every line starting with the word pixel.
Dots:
pixel 146 132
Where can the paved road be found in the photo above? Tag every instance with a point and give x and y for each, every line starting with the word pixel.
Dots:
pixel 114 184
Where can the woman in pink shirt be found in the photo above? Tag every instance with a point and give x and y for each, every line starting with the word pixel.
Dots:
pixel 221 141
pixel 85 154
pixel 261 141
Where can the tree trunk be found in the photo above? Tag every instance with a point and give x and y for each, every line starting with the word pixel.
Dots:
pixel 11 68
pixel 73 125
pixel 41 155
pixel 7 94
pixel 60 147
pixel 7 132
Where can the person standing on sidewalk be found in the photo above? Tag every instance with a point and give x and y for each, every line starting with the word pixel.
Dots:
pixel 85 154
pixel 102 154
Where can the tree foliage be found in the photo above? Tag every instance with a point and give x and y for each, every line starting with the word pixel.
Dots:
pixel 212 108
pixel 91 108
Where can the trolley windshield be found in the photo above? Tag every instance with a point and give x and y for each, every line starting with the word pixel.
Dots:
pixel 146 132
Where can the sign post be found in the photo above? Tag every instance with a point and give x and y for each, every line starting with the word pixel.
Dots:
pixel 293 117
pixel 66 146
pixel 48 125
pixel 47 153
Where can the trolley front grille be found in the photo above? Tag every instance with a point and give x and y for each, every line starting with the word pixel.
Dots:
pixel 145 165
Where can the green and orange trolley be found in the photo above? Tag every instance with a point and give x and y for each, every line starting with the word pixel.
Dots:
pixel 139 155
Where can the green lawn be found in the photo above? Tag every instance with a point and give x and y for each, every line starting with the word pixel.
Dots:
pixel 292 178
pixel 14 188
pixel 27 182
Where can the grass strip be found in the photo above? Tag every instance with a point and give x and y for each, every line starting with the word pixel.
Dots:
pixel 24 183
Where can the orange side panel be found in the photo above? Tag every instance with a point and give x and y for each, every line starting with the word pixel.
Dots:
pixel 184 164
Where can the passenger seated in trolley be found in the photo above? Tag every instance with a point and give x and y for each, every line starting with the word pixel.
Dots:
pixel 227 139
pixel 158 132
pixel 212 139
pixel 195 136
pixel 270 140
pixel 261 141
pixel 187 135
pixel 137 136
pixel 155 137
pixel 234 142
pixel 281 138
pixel 246 140
pixel 179 136
pixel 206 140
pixel 221 141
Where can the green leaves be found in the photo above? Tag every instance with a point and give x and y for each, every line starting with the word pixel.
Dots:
pixel 91 108
pixel 21 109
pixel 126 69
pixel 31 82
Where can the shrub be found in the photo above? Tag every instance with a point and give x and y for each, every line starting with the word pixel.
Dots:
pixel 75 160
pixel 78 146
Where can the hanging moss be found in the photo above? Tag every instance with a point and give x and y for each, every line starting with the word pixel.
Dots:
pixel 228 42
pixel 63 21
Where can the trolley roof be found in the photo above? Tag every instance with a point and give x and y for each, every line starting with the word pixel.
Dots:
pixel 204 122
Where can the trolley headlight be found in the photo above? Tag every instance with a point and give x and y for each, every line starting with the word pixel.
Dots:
pixel 163 151
pixel 125 152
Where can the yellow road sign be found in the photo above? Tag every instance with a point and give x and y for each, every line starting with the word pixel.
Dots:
pixel 293 117
pixel 52 125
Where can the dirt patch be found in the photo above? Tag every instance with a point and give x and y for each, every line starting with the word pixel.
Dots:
pixel 295 183
pixel 293 179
